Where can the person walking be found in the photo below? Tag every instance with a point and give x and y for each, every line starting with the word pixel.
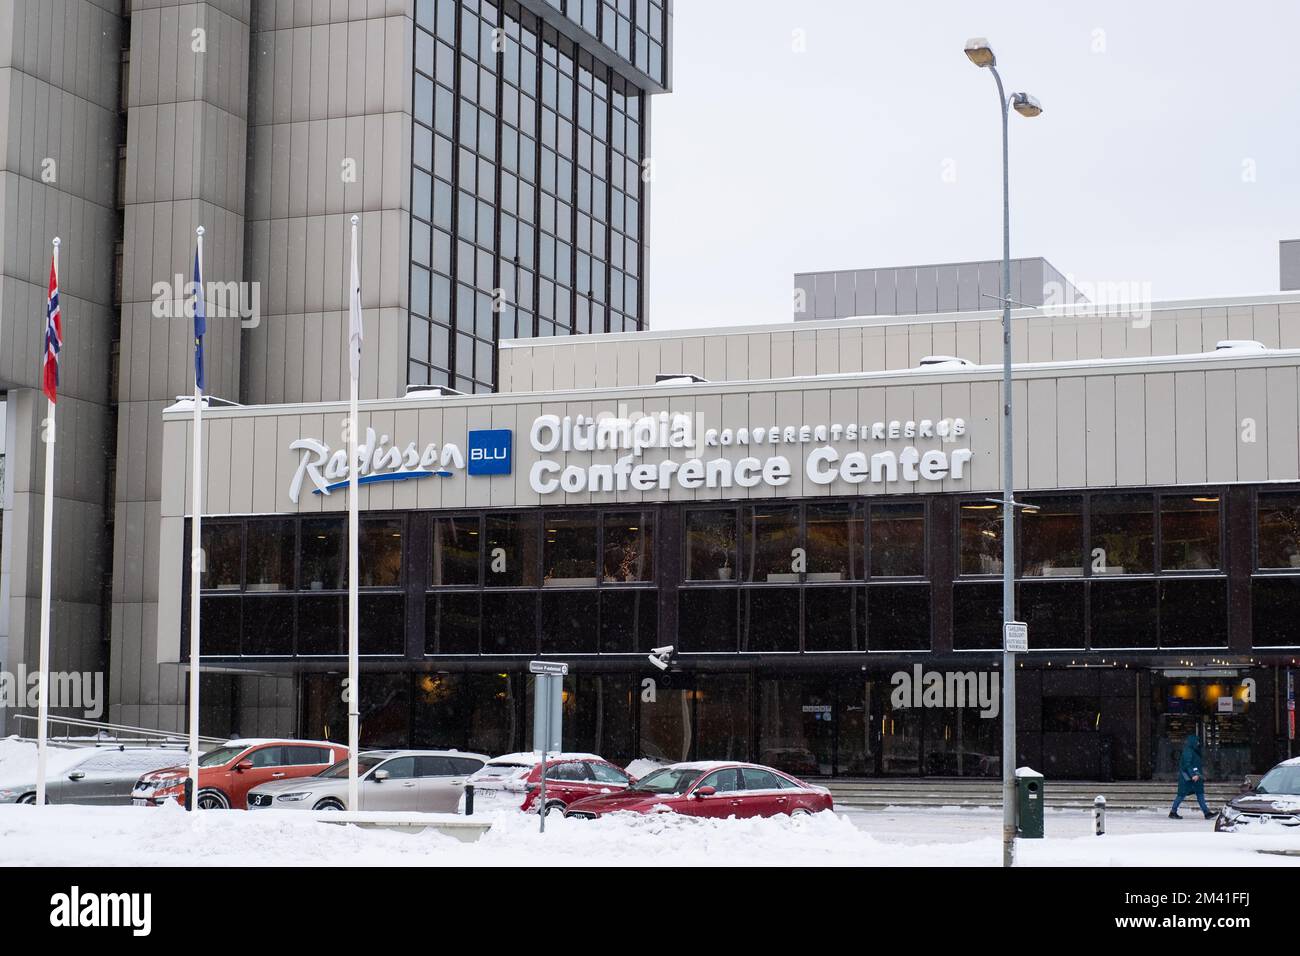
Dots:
pixel 1191 778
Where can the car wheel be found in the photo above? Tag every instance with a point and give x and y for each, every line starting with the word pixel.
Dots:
pixel 555 806
pixel 212 800
pixel 30 799
pixel 800 812
pixel 328 805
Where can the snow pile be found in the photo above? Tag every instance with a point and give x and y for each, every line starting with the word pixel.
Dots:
pixel 139 836
pixel 18 760
pixel 644 765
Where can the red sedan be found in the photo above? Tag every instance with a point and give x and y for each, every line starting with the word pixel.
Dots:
pixel 710 789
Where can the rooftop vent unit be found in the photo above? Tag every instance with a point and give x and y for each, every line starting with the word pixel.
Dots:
pixel 678 378
pixel 430 391
pixel 1240 345
pixel 945 361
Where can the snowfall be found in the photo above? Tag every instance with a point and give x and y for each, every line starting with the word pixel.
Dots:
pixel 140 836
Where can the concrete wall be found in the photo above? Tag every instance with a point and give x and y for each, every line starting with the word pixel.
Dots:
pixel 331 84
pixel 58 157
pixel 877 344
pixel 187 134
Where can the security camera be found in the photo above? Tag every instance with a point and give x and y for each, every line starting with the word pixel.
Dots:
pixel 659 656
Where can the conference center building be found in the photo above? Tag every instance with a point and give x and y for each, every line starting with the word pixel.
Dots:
pixel 780 543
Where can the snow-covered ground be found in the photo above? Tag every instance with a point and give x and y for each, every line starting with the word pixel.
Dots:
pixel 895 836
pixel 130 836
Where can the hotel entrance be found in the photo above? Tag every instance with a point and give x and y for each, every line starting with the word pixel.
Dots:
pixel 1211 704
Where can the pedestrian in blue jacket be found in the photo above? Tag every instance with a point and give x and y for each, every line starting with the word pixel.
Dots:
pixel 1191 778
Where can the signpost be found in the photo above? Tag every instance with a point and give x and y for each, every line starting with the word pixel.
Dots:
pixel 548 699
pixel 1015 637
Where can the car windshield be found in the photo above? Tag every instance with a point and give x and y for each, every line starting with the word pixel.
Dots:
pixel 365 763
pixel 668 780
pixel 220 757
pixel 1281 780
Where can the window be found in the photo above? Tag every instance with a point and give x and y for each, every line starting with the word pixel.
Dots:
pixel 380 552
pixel 835 619
pixel 897 540
pixel 455 554
pixel 756 779
pixel 399 768
pixel 320 550
pixel 1054 612
pixel 574 771
pixel 512 551
pixel 306 756
pixel 465 765
pixel 898 617
pixel 707 619
pixel 604 773
pixel 1051 537
pixel 771 537
pixel 569 622
pixel 1123 534
pixel 710 545
pixel 629 546
pixel 1189 532
pixel 1279 530
pixel 221 552
pixel 1123 614
pixel 268 757
pixel 268 623
pixel 981 538
pixel 451 623
pixel 569 550
pixel 1194 613
pixel 771 619
pixel 1274 599
pixel 433 767
pixel 834 542
pixel 270 556
pixel 723 781
pixel 628 620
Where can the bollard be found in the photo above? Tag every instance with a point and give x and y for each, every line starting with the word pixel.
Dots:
pixel 1099 815
pixel 189 793
pixel 469 800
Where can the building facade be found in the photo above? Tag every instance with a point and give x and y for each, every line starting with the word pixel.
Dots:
pixel 807 515
pixel 495 153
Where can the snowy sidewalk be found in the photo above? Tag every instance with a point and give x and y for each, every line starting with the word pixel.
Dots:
pixel 138 836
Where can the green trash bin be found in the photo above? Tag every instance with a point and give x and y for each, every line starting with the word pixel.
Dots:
pixel 1029 804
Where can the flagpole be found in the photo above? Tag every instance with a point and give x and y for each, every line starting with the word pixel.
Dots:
pixel 47 551
pixel 354 696
pixel 196 553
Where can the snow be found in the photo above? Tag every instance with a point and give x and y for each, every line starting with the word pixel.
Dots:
pixel 138 836
pixel 1027 772
pixel 18 760
pixel 533 758
pixel 643 765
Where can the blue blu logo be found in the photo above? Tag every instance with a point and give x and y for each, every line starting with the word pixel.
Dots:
pixel 490 451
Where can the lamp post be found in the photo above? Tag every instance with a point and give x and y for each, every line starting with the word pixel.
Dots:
pixel 981 54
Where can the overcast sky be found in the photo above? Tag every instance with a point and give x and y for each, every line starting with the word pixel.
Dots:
pixel 816 135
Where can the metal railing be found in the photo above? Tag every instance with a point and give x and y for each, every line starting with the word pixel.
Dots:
pixel 117 734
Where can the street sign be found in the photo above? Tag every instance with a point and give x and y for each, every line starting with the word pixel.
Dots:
pixel 1015 637
pixel 553 668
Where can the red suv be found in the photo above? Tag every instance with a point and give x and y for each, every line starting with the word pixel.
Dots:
pixel 711 789
pixel 229 772
pixel 514 782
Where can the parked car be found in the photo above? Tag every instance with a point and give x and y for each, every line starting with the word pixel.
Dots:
pixel 514 781
pixel 97 776
pixel 1274 801
pixel 229 772
pixel 428 780
pixel 711 789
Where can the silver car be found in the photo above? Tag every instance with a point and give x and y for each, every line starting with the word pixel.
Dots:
pixel 420 780
pixel 97 776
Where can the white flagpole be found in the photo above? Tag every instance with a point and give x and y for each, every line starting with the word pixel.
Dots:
pixel 354 696
pixel 196 561
pixel 47 553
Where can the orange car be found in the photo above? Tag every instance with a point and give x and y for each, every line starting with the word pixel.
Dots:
pixel 229 772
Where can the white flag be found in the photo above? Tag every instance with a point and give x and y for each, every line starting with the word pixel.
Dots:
pixel 354 313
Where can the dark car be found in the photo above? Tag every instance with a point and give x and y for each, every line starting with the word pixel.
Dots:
pixel 1274 801
pixel 712 789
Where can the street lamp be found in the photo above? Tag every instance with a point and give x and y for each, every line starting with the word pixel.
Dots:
pixel 981 54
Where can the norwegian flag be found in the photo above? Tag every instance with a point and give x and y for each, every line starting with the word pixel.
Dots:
pixel 53 337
